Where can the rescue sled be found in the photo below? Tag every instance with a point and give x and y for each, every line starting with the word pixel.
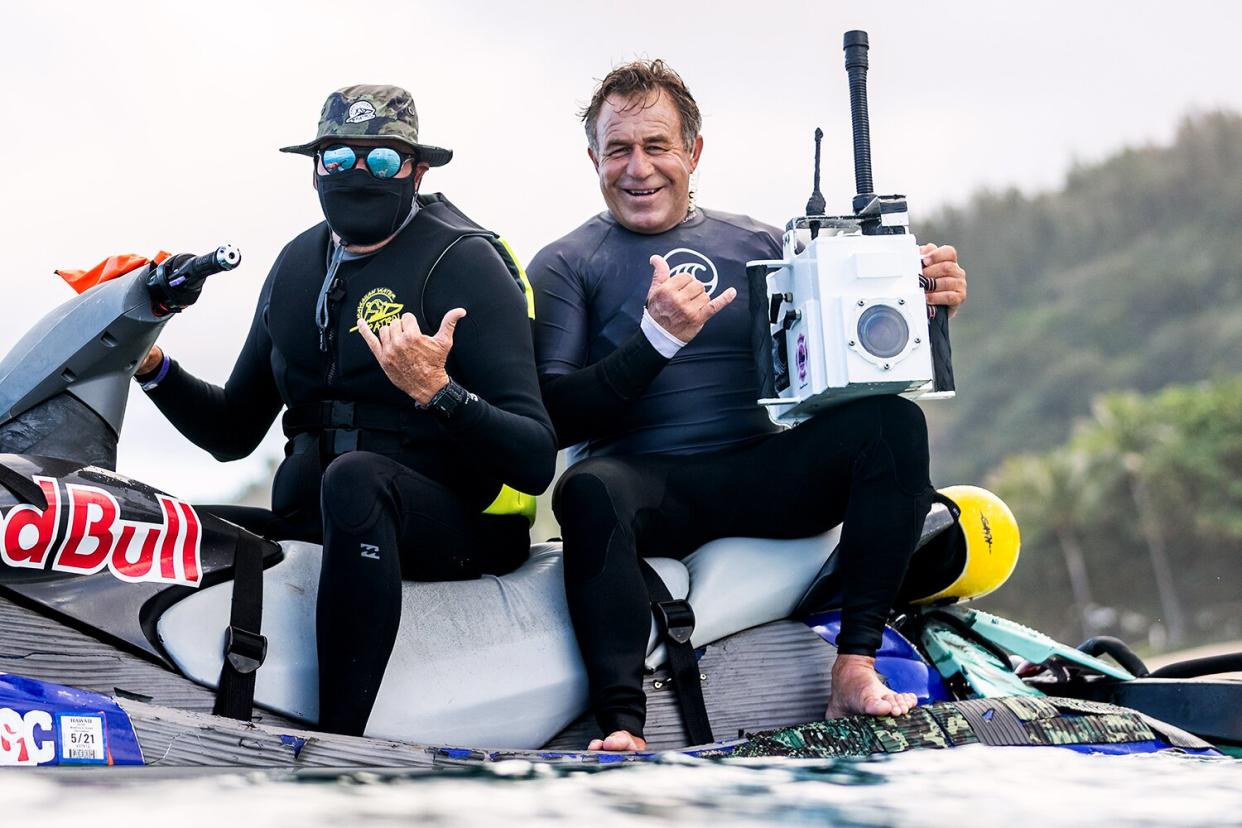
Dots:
pixel 130 615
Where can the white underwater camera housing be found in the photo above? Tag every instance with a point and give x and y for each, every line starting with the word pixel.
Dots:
pixel 850 321
pixel 843 314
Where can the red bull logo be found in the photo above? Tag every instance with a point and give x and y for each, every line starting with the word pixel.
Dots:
pixel 96 537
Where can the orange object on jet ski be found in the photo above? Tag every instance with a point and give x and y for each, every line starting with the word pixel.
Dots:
pixel 110 268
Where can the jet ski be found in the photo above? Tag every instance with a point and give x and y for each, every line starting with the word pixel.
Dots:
pixel 142 629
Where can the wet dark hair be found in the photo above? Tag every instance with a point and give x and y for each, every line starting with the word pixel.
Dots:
pixel 635 81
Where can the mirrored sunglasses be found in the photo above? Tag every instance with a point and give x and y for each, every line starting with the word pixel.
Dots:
pixel 381 162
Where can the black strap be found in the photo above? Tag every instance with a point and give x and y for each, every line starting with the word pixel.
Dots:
pixel 244 647
pixel 26 490
pixel 675 619
pixel 343 414
pixel 333 442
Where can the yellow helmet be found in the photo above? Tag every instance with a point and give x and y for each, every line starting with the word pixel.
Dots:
pixel 992 544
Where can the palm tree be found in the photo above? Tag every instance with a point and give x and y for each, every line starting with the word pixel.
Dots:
pixel 1049 488
pixel 1124 434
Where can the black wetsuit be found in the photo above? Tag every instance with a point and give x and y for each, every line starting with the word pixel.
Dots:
pixel 679 453
pixel 406 499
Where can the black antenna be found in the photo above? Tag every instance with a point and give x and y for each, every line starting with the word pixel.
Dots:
pixel 856 46
pixel 816 205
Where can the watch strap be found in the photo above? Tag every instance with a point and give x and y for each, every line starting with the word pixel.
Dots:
pixel 449 400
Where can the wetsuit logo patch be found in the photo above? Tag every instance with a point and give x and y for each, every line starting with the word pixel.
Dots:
pixel 378 308
pixel 360 111
pixel 694 263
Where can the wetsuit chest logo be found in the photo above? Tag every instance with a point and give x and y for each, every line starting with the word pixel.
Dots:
pixel 378 308
pixel 694 263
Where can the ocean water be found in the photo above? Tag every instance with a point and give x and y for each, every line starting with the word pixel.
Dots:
pixel 974 785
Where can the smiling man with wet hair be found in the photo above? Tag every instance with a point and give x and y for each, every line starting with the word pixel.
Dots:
pixel 646 367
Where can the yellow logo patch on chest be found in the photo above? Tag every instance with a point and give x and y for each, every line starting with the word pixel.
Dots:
pixel 378 308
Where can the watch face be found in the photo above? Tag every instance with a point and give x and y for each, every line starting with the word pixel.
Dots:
pixel 449 398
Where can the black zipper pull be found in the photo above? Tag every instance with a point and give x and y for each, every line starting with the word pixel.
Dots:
pixel 325 319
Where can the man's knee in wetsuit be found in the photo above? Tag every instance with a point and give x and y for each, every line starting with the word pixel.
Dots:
pixel 591 503
pixel 903 428
pixel 352 491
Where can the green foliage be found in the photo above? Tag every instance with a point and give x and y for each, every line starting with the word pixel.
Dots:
pixel 1128 278
pixel 1108 304
pixel 1183 446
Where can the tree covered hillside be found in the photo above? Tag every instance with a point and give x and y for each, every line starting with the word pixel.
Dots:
pixel 1133 526
pixel 1129 278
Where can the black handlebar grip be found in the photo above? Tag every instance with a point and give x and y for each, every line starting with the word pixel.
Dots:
pixel 225 257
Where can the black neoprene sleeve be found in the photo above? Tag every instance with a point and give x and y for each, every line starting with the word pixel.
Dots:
pixel 507 431
pixel 588 401
pixel 584 400
pixel 229 422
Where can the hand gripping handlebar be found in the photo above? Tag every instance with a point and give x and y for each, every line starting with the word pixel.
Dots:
pixel 176 283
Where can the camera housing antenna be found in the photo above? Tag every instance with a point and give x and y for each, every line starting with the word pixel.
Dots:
pixel 856 65
pixel 816 205
pixel 879 215
pixel 885 215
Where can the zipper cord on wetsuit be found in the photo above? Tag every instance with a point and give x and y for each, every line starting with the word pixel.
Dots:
pixel 321 304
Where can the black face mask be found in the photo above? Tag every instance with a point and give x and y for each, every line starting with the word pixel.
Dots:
pixel 363 209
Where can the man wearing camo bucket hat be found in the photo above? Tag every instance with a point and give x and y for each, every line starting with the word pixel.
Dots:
pixel 366 203
pixel 372 112
pixel 396 334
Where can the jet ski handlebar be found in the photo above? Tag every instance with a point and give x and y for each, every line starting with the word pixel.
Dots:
pixel 176 283
pixel 225 257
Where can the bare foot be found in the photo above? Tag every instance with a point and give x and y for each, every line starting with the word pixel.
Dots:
pixel 619 740
pixel 857 688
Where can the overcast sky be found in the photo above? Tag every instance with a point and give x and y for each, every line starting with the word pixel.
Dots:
pixel 135 126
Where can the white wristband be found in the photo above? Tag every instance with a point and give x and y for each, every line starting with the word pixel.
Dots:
pixel 660 339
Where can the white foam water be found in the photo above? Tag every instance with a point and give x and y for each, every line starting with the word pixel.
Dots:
pixel 980 785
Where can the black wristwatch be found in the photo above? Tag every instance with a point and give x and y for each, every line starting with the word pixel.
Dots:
pixel 450 399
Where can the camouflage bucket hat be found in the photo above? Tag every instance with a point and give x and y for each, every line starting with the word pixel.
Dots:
pixel 369 111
